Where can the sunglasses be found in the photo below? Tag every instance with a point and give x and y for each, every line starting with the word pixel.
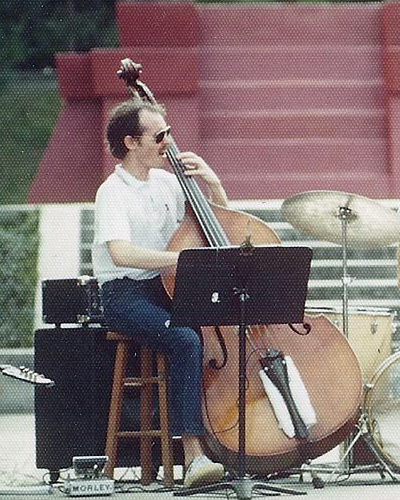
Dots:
pixel 162 134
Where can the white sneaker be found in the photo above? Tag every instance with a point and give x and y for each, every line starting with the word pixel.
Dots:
pixel 202 471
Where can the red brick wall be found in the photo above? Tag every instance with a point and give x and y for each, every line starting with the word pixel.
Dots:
pixel 279 98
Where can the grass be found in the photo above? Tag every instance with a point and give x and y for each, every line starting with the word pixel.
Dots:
pixel 28 112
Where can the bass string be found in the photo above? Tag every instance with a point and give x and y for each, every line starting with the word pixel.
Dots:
pixel 218 236
pixel 251 334
pixel 200 205
pixel 193 202
pixel 210 226
pixel 212 229
pixel 206 217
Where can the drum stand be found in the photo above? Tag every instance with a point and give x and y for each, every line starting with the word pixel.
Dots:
pixel 346 465
pixel 347 459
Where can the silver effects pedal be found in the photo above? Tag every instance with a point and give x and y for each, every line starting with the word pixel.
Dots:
pixel 89 478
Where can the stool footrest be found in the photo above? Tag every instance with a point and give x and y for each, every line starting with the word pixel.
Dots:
pixel 135 381
pixel 134 434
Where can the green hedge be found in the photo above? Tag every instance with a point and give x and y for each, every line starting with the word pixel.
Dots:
pixel 19 238
pixel 32 31
pixel 28 113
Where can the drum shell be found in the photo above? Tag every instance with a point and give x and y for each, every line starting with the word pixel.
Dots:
pixel 370 334
pixel 382 411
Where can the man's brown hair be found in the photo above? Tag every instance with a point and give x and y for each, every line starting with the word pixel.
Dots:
pixel 125 120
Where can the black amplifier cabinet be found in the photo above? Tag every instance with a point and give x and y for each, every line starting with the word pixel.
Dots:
pixel 71 417
pixel 74 300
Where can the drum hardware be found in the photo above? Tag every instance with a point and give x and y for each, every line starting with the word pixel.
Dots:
pixel 336 469
pixel 316 213
pixel 345 466
pixel 361 225
pixel 339 207
pixel 380 466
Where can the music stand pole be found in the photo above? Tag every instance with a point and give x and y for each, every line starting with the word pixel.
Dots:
pixel 242 485
pixel 243 297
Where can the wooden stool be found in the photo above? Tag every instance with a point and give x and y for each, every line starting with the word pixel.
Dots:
pixel 145 381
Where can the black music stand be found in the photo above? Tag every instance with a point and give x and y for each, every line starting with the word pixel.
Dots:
pixel 240 286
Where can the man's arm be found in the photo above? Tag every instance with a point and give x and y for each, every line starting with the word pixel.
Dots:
pixel 124 254
pixel 218 194
pixel 195 165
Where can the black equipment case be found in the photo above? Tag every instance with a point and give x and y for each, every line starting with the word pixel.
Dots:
pixel 71 417
pixel 74 300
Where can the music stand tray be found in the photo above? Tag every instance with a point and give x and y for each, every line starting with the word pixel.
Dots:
pixel 240 285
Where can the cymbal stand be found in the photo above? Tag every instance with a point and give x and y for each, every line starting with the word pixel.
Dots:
pixel 346 464
pixel 337 469
pixel 345 215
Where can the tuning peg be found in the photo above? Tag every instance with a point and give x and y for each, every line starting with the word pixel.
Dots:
pixel 129 71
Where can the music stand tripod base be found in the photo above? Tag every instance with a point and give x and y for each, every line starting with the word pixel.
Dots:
pixel 243 487
pixel 227 286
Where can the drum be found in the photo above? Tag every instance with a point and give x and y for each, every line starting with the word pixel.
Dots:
pixel 382 411
pixel 370 334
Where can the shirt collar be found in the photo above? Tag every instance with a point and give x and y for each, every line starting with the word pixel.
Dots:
pixel 129 178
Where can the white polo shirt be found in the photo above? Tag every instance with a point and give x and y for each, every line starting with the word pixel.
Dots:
pixel 146 213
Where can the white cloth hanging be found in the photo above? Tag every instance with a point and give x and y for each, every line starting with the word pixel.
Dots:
pixel 300 398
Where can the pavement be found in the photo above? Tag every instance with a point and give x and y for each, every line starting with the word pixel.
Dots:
pixel 19 477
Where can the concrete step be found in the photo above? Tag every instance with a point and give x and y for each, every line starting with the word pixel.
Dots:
pixel 298 156
pixel 295 124
pixel 280 23
pixel 252 95
pixel 292 62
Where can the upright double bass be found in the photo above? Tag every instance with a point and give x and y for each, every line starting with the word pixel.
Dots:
pixel 323 357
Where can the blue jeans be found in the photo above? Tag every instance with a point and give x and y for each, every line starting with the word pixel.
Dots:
pixel 141 310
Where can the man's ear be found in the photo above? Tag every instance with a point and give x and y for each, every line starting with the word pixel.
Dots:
pixel 130 142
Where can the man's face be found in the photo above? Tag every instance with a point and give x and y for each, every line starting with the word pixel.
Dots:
pixel 150 146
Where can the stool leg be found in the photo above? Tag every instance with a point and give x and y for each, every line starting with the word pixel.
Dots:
pixel 115 407
pixel 146 413
pixel 166 439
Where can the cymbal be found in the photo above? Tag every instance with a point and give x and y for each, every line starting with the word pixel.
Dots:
pixel 319 214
